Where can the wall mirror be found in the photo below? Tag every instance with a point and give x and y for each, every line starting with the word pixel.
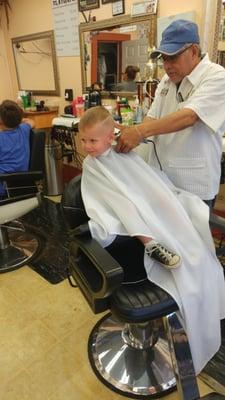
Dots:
pixel 221 35
pixel 35 60
pixel 108 46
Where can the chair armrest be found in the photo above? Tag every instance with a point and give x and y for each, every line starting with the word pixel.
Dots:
pixel 217 222
pixel 9 200
pixel 20 176
pixel 93 268
pixel 17 209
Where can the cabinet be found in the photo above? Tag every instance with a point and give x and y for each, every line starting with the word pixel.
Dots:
pixel 42 119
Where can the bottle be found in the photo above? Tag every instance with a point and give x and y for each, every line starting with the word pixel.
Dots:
pixel 80 107
pixel 25 99
pixel 127 116
pixel 117 109
pixel 134 107
pixel 86 101
pixel 29 98
pixel 74 110
pixel 94 98
pixel 19 100
pixel 139 115
pixel 138 111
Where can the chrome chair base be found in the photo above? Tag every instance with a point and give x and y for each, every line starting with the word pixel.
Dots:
pixel 127 366
pixel 22 246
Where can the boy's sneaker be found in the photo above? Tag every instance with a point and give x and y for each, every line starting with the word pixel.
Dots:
pixel 164 256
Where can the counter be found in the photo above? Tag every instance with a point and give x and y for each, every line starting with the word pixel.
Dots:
pixel 66 121
pixel 42 119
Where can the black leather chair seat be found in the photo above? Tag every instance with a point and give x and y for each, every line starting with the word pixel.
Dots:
pixel 141 302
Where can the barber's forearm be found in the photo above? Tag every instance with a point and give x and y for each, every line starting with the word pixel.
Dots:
pixel 171 123
pixel 132 136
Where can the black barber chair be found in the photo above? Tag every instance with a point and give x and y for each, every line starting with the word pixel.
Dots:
pixel 21 183
pixel 17 245
pixel 139 349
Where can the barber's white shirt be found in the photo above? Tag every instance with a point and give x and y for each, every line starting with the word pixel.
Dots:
pixel 191 157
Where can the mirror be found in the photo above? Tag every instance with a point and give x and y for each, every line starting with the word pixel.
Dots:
pixel 108 46
pixel 35 60
pixel 221 38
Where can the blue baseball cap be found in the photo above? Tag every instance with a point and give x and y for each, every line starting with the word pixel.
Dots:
pixel 179 35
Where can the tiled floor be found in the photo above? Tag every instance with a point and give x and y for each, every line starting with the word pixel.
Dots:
pixel 43 342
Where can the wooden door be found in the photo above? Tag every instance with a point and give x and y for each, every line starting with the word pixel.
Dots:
pixel 135 52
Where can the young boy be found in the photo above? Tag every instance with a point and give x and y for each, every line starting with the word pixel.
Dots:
pixel 123 195
pixel 14 139
pixel 97 136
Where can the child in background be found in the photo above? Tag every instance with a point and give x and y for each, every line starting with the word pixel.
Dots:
pixel 123 195
pixel 129 84
pixel 14 139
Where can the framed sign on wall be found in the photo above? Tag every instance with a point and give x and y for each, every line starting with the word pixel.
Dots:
pixel 118 7
pixel 144 7
pixel 84 5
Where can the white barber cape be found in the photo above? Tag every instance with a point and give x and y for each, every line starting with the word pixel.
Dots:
pixel 125 196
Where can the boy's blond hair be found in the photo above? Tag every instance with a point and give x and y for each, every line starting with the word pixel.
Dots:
pixel 94 116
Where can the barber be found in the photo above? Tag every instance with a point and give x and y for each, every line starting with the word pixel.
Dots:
pixel 186 120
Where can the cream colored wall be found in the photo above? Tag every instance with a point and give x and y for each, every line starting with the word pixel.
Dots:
pixel 172 7
pixel 6 91
pixel 35 16
pixel 32 16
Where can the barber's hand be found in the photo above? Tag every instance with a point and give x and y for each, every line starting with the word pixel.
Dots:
pixel 129 139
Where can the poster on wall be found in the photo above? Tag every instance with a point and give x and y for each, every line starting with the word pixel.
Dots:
pixel 144 7
pixel 66 22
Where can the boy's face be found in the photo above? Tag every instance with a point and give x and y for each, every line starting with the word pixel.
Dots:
pixel 95 140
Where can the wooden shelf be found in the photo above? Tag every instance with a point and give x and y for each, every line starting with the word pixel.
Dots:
pixel 42 119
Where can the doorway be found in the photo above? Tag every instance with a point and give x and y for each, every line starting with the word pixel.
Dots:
pixel 107 71
pixel 106 66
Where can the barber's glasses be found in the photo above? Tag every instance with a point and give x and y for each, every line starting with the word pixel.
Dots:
pixel 175 57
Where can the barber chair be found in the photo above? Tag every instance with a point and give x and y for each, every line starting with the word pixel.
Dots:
pixel 140 348
pixel 17 244
pixel 26 182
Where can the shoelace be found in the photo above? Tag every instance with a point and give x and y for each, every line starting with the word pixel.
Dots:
pixel 164 252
